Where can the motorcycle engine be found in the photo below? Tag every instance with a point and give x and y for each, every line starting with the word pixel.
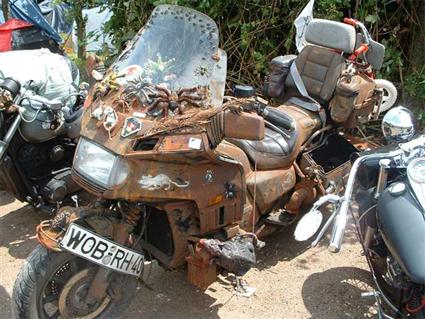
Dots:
pixel 394 274
pixel 48 165
pixel 56 189
pixel 414 294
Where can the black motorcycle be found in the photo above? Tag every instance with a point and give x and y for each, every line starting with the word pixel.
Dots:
pixel 38 138
pixel 388 207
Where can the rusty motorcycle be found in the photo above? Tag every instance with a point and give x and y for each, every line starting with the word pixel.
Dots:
pixel 185 179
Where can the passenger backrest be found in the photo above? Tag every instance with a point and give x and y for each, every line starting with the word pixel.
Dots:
pixel 376 53
pixel 321 61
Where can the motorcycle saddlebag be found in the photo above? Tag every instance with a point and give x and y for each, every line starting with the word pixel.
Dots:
pixel 355 96
pixel 274 85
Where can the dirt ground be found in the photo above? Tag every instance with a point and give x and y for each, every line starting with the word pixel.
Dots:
pixel 291 280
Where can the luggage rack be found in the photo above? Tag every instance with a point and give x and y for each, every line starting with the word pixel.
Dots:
pixel 330 159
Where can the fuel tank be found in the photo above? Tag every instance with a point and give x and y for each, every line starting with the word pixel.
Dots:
pixel 39 126
pixel 402 224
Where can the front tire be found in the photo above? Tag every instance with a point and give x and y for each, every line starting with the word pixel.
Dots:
pixel 52 285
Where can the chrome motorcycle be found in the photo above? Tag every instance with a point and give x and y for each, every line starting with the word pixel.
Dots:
pixel 388 208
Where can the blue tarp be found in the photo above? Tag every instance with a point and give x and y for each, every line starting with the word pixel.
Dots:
pixel 29 11
pixel 56 15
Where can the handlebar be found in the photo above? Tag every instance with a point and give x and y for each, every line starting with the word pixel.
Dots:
pixel 270 114
pixel 54 105
pixel 273 116
pixel 403 153
pixel 341 218
pixel 363 48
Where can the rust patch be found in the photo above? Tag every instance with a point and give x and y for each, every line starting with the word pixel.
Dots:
pixel 362 143
pixel 200 271
pixel 305 193
pixel 270 185
pixel 47 237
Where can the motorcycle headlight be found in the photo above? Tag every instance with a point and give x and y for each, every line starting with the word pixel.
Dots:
pixel 416 173
pixel 99 165
pixel 416 170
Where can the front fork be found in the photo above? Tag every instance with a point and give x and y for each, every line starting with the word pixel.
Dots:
pixel 49 234
pixel 9 135
pixel 121 235
pixel 99 286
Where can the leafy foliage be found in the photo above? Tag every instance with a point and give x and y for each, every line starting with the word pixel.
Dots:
pixel 400 26
pixel 253 32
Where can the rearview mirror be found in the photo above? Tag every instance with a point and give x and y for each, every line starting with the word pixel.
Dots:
pixel 245 126
pixel 308 225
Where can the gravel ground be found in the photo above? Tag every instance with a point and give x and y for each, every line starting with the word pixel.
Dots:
pixel 291 281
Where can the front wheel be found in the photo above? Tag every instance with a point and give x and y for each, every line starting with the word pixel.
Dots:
pixel 54 285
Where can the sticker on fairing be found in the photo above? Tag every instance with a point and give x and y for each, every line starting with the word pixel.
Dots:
pixel 195 143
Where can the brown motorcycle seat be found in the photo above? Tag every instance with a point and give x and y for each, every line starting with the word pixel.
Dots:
pixel 274 151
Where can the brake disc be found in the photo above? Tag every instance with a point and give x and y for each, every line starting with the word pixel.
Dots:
pixel 73 301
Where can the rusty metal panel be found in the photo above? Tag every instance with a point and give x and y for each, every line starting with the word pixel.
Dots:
pixel 176 212
pixel 235 153
pixel 213 218
pixel 179 143
pixel 270 186
pixel 247 219
pixel 200 271
pixel 244 126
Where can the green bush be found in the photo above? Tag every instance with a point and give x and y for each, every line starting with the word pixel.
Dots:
pixel 253 32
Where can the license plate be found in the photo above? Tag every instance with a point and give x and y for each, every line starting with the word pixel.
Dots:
pixel 104 252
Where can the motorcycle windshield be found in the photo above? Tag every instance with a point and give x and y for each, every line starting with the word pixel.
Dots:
pixel 177 47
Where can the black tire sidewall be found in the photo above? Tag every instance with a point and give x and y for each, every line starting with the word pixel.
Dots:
pixel 38 269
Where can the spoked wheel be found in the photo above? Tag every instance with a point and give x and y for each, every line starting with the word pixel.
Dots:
pixel 55 285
